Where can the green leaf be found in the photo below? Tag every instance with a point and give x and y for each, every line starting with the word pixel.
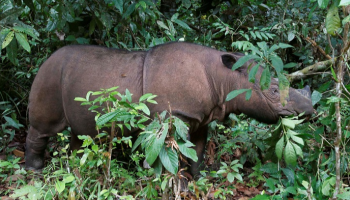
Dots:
pixel 315 97
pixel 181 128
pixel 230 177
pixel 253 72
pixel 22 40
pixel 261 197
pixel 129 10
pixel 323 3
pixel 157 165
pixel 270 168
pixel 334 75
pixel 289 123
pixel 79 99
pixel 60 186
pixel 284 46
pixel 265 79
pixel 273 48
pixel 345 20
pixel 128 95
pixel 291 36
pixel 332 20
pixel 26 190
pixel 279 148
pixel 277 63
pixel 187 151
pixel 102 120
pixel 169 159
pixel 289 154
pixel 155 145
pixel 145 96
pixel 344 195
pixel 182 24
pixel 297 139
pixel 290 65
pixel 142 4
pixel 248 94
pixel 82 40
pixel 3 33
pixel 68 179
pixel 243 60
pixel 344 2
pixel 235 93
pixel 8 39
pixel 144 108
pixel 83 159
pixel 298 150
pixel 11 51
pixel 95 148
pixel 28 31
pixel 12 122
pixel 162 25
pixel 119 5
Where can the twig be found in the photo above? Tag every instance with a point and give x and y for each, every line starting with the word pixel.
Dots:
pixel 314 44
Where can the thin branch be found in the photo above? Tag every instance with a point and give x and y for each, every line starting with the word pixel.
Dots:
pixel 314 44
pixel 303 73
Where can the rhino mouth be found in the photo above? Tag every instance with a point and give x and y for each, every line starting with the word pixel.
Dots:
pixel 285 113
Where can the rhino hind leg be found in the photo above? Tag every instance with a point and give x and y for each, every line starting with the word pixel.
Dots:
pixel 198 138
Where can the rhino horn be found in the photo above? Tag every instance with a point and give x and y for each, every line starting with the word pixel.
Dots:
pixel 306 92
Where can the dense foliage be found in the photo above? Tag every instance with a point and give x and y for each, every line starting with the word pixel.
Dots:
pixel 300 42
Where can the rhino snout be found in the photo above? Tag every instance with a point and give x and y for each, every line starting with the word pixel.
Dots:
pixel 301 100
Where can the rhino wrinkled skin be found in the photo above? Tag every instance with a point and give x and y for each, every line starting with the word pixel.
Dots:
pixel 194 79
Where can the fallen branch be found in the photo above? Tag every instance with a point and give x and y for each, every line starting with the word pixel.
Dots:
pixel 320 66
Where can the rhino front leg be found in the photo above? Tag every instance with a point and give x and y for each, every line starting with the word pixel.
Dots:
pixel 198 138
pixel 35 149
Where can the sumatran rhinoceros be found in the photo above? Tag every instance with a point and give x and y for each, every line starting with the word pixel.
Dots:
pixel 193 79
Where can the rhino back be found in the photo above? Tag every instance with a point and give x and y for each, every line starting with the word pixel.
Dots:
pixel 178 74
pixel 72 71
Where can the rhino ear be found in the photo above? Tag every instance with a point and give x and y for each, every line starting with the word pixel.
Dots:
pixel 228 60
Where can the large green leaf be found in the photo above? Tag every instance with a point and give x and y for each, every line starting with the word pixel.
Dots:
pixel 344 2
pixel 289 154
pixel 169 159
pixel 8 39
pixel 181 128
pixel 119 5
pixel 279 148
pixel 182 24
pixel 129 10
pixel 265 79
pixel 253 72
pixel 277 63
pixel 22 40
pixel 108 116
pixel 316 97
pixel 11 51
pixel 235 93
pixel 332 20
pixel 156 144
pixel 243 60
pixel 186 150
pixel 322 3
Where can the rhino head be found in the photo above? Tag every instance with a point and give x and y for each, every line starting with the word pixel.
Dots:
pixel 265 105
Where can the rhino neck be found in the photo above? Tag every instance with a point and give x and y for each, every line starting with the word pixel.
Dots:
pixel 222 83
